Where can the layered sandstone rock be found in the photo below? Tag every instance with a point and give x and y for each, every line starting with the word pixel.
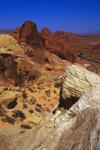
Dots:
pixel 77 128
pixel 26 117
pixel 77 80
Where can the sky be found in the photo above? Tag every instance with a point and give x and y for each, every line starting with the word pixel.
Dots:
pixel 80 16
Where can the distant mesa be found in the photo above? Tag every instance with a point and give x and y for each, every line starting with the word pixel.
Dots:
pixel 56 45
pixel 29 34
pixel 66 45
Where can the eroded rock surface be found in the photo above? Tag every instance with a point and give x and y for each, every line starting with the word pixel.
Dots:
pixel 76 128
pixel 79 130
pixel 31 70
pixel 28 88
pixel 56 45
pixel 77 80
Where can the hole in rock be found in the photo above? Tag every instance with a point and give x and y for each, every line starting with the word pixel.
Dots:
pixel 12 104
pixel 68 102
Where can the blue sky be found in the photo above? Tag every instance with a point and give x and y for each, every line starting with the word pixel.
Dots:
pixel 80 16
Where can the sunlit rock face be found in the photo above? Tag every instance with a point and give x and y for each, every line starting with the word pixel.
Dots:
pixel 40 109
pixel 74 129
pixel 77 80
pixel 8 44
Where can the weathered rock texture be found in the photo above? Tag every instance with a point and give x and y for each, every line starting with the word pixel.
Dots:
pixel 28 88
pixel 47 40
pixel 27 102
pixel 8 44
pixel 77 80
pixel 65 45
pixel 75 129
pixel 56 45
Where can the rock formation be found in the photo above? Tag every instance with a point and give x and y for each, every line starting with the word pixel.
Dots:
pixel 78 128
pixel 28 33
pixel 77 80
pixel 56 45
pixel 8 44
pixel 23 71
pixel 68 36
pixel 40 108
pixel 65 45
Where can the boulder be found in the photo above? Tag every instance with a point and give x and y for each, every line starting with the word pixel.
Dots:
pixel 82 116
pixel 84 133
pixel 77 80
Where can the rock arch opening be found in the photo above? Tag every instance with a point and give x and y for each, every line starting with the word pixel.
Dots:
pixel 68 102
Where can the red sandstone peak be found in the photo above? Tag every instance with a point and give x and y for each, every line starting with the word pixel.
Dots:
pixel 28 34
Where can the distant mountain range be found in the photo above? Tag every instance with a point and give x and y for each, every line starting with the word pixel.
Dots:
pixel 95 32
pixel 5 31
pixel 9 30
